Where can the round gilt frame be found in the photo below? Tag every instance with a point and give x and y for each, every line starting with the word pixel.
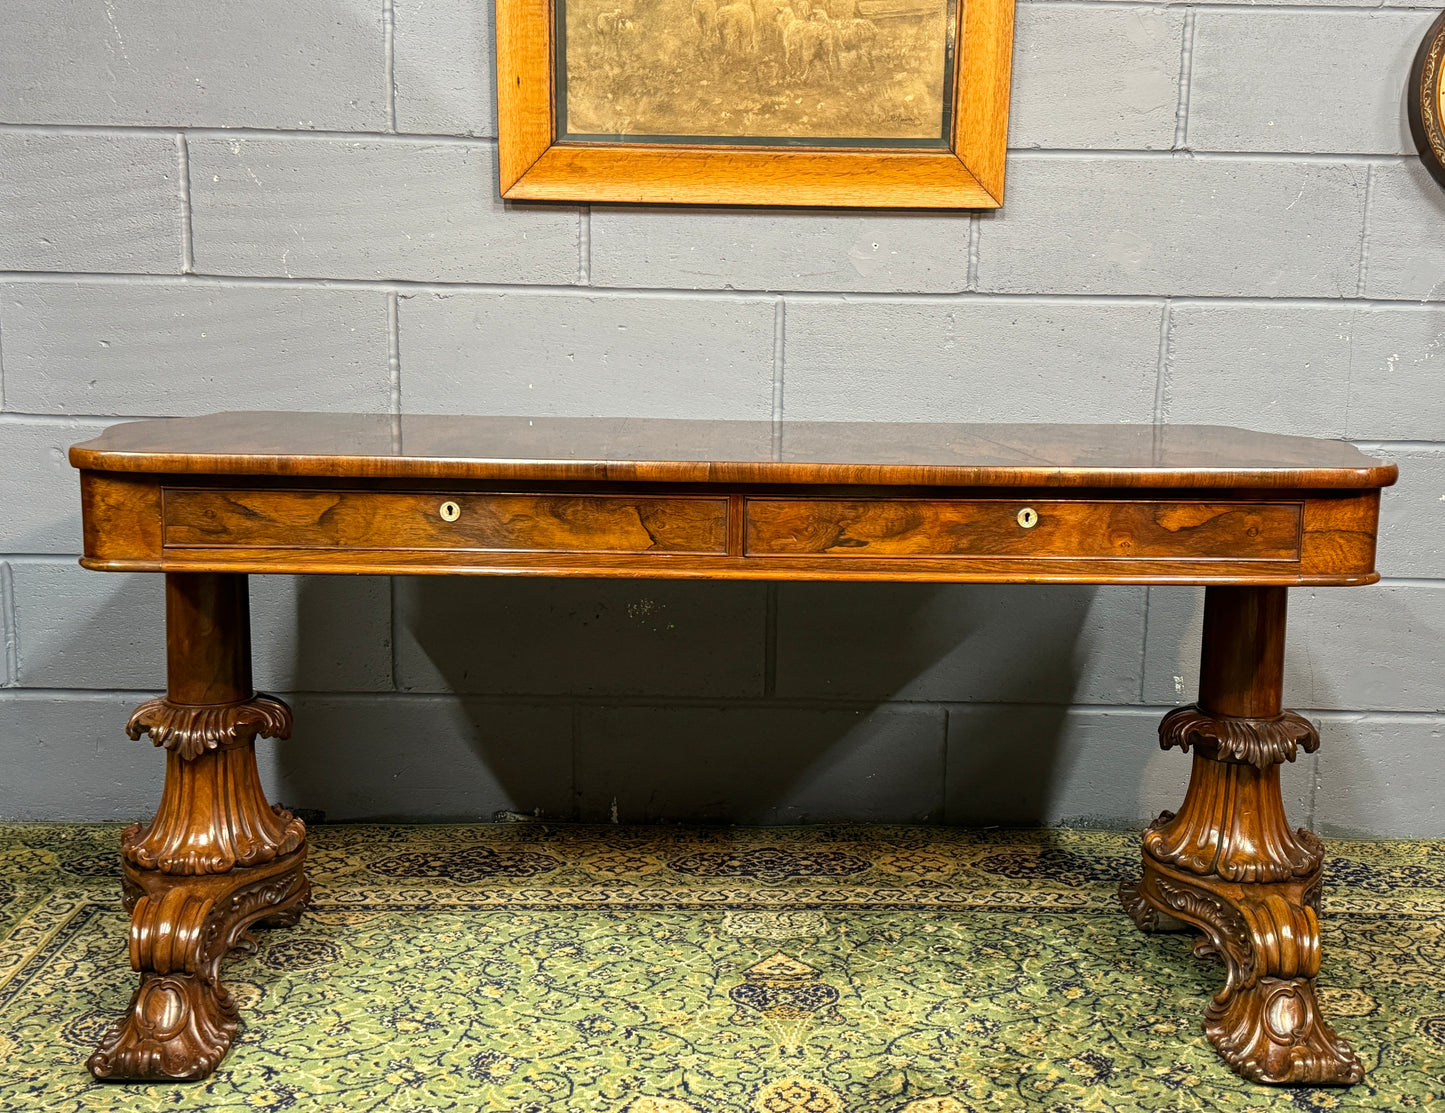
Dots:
pixel 1426 99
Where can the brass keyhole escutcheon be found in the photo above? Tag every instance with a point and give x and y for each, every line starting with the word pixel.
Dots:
pixel 1028 517
pixel 450 512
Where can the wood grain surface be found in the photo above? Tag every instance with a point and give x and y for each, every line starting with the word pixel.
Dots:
pixel 354 493
pixel 680 451
pixel 383 520
pixel 1116 529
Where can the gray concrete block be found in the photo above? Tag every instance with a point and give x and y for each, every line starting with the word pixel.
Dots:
pixel 339 208
pixel 586 355
pixel 1175 225
pixel 762 249
pixel 1005 644
pixel 580 637
pixel 39 489
pixel 1276 369
pixel 1095 77
pixel 1397 362
pixel 161 349
pixel 66 757
pixel 1412 514
pixel 969 360
pixel 90 203
pixel 1015 765
pixel 1405 253
pixel 759 765
pixel 205 63
pixel 426 759
pixel 443 67
pixel 81 629
pixel 1379 648
pixel 1323 371
pixel 1301 81
pixel 1380 776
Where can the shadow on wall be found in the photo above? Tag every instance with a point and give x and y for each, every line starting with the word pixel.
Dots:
pixel 727 702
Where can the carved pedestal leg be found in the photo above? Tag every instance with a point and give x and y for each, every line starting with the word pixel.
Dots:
pixel 216 859
pixel 1228 863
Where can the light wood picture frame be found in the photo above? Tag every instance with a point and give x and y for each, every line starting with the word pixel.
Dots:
pixel 540 160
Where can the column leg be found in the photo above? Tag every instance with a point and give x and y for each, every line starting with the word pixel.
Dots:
pixel 1228 863
pixel 216 859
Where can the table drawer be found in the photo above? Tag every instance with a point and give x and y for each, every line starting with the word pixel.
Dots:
pixel 445 520
pixel 1001 527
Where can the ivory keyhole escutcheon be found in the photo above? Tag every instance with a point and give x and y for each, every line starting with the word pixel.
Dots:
pixel 1028 517
pixel 450 512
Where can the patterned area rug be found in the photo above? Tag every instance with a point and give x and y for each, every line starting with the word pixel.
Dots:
pixel 530 968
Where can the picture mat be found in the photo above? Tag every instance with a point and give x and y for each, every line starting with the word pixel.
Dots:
pixel 851 73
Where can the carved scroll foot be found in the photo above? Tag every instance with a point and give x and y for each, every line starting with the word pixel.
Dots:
pixel 1265 1022
pixel 178 1028
pixel 1273 1032
pixel 181 1019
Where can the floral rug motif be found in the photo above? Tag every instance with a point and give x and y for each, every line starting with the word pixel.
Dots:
pixel 537 968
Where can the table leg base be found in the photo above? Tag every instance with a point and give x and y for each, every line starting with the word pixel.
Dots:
pixel 1266 1022
pixel 181 1020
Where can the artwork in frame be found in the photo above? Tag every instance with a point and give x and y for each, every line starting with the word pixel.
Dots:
pixel 856 103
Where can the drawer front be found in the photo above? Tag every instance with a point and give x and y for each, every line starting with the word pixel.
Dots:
pixel 996 527
pixel 445 520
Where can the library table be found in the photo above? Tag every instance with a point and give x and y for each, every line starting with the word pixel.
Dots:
pixel 209 500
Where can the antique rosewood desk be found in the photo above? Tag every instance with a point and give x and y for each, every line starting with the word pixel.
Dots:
pixel 209 500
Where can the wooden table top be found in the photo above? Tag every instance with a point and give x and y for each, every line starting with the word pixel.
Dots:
pixel 668 450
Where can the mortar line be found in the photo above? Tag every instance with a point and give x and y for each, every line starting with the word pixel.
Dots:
pixel 393 353
pixel 1365 234
pixel 395 654
pixel 770 641
pixel 1186 70
pixel 436 139
pixel 188 243
pixel 22 418
pixel 584 246
pixel 974 232
pixel 388 53
pixel 780 335
pixel 1061 297
pixel 430 139
pixel 947 809
pixel 10 622
pixel 1144 648
pixel 574 721
pixel 1161 370
pixel 1150 711
pixel 1313 819
pixel 406 287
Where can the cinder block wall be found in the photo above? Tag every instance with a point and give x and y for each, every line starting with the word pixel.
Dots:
pixel 1213 215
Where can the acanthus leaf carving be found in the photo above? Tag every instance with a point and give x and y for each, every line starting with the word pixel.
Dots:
pixel 190 731
pixel 1258 742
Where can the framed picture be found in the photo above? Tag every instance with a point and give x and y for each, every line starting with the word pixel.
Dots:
pixel 1426 99
pixel 858 103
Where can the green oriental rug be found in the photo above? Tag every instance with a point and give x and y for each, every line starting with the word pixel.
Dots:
pixel 533 968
